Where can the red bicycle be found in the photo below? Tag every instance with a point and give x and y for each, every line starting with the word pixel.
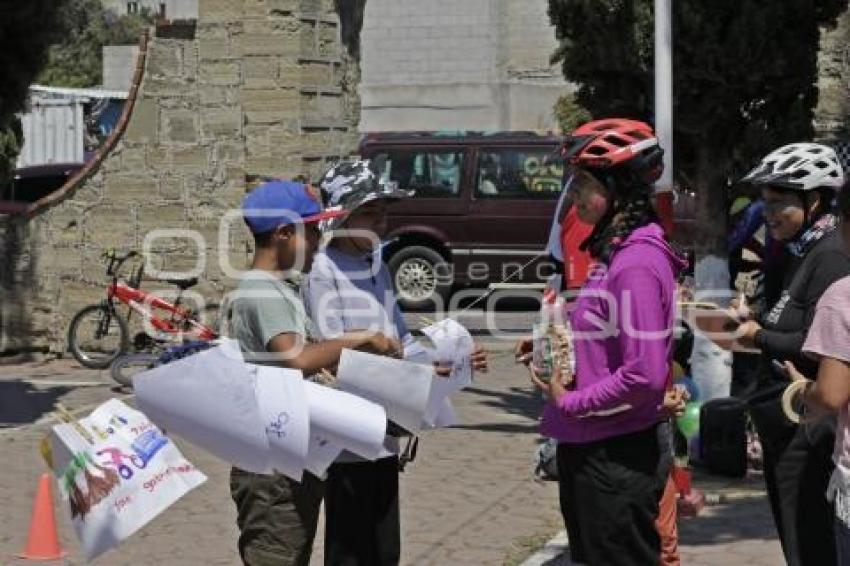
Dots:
pixel 99 334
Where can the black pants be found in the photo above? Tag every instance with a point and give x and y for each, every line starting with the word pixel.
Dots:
pixel 609 493
pixel 797 468
pixel 362 514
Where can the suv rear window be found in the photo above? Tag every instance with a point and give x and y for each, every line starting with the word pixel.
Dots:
pixel 431 173
pixel 518 174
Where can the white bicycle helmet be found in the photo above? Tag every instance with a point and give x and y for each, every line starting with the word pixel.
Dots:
pixel 799 167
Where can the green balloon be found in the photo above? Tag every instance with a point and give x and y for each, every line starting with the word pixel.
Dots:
pixel 689 422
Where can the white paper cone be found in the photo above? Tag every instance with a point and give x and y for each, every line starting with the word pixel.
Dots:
pixel 401 388
pixel 210 400
pixel 347 421
pixel 285 413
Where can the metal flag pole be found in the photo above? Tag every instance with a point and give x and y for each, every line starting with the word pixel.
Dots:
pixel 664 107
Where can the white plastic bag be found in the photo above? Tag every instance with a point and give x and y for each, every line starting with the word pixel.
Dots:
pixel 119 475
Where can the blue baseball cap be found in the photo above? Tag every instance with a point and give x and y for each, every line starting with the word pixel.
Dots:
pixel 278 203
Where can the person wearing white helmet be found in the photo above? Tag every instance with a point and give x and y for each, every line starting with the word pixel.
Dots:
pixel 798 183
pixel 350 289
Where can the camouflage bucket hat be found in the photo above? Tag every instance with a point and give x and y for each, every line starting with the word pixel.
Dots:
pixel 348 185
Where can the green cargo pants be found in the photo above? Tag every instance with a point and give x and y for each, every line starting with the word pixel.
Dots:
pixel 277 517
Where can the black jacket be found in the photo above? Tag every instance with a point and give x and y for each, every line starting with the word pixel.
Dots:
pixel 786 324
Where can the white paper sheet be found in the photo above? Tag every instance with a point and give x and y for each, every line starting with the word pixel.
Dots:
pixel 284 411
pixel 400 387
pixel 320 455
pixel 210 400
pixel 418 353
pixel 446 416
pixel 453 344
pixel 346 421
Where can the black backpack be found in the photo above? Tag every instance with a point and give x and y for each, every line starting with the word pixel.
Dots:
pixel 723 436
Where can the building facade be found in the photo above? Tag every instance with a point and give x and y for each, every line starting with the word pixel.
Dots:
pixel 448 65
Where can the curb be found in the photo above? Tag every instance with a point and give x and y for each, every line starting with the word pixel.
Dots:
pixel 550 552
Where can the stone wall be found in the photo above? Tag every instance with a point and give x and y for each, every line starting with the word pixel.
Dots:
pixel 263 90
pixel 832 116
pixel 118 63
pixel 23 320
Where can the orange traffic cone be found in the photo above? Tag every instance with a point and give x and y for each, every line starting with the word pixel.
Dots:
pixel 43 542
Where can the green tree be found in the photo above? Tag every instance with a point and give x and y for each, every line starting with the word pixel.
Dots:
pixel 77 60
pixel 569 114
pixel 26 31
pixel 745 74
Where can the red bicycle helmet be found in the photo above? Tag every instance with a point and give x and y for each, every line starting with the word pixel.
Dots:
pixel 615 142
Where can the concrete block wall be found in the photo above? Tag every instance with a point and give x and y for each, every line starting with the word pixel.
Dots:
pixel 530 41
pixel 118 64
pixel 406 42
pixel 476 64
pixel 264 90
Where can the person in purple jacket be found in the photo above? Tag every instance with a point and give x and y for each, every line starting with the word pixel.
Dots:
pixel 608 418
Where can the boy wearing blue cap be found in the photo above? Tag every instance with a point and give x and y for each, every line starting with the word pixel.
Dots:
pixel 277 516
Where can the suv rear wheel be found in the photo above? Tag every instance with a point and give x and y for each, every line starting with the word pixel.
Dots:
pixel 420 276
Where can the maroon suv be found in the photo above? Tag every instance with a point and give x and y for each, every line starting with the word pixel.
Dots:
pixel 481 214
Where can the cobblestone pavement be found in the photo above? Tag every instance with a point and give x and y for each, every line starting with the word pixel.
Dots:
pixel 467 499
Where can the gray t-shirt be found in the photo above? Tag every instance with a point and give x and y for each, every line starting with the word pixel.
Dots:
pixel 345 293
pixel 263 307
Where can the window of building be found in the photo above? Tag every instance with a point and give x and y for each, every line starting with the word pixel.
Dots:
pixel 132 7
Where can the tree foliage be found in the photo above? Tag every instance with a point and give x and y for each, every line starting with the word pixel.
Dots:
pixel 569 114
pixel 26 31
pixel 351 13
pixel 77 59
pixel 745 74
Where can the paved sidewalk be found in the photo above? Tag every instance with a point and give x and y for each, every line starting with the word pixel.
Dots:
pixel 737 533
pixel 736 527
pixel 468 499
pixel 465 500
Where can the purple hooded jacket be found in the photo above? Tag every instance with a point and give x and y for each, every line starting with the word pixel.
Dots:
pixel 622 329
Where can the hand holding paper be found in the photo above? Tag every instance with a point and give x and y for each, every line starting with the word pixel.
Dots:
pixel 454 347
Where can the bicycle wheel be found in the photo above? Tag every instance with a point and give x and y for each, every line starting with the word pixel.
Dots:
pixel 97 336
pixel 126 367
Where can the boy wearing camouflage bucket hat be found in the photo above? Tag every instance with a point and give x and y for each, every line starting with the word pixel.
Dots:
pixel 350 288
